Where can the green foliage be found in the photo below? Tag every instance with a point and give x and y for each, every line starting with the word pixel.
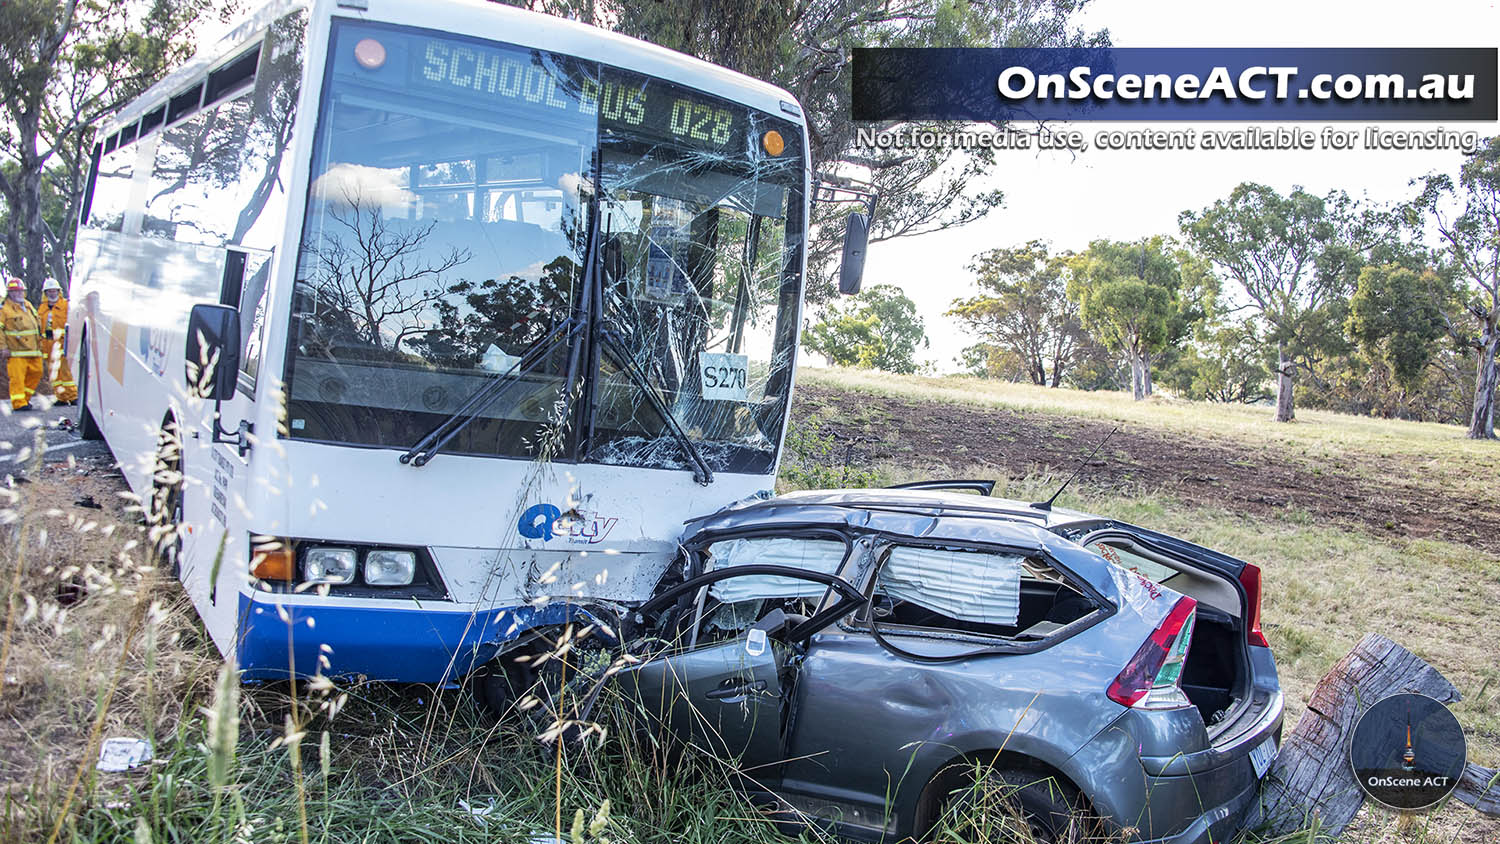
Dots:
pixel 1223 364
pixel 1292 255
pixel 804 48
pixel 1131 298
pixel 55 210
pixel 1126 293
pixel 1469 243
pixel 1022 310
pixel 814 459
pixel 1097 368
pixel 1296 258
pixel 64 65
pixel 877 329
pixel 987 360
pixel 1395 316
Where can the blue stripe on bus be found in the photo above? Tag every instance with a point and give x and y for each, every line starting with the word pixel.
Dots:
pixel 404 645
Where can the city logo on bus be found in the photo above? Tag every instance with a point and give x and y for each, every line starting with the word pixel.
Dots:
pixel 547 522
pixel 153 343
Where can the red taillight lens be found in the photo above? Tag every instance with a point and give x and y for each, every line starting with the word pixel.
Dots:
pixel 1145 669
pixel 1250 580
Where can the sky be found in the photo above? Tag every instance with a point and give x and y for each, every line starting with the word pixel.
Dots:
pixel 1123 195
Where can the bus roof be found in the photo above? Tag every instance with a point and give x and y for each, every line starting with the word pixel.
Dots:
pixel 482 19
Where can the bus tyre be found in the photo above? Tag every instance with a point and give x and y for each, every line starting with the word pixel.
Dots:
pixel 88 429
pixel 500 686
pixel 164 509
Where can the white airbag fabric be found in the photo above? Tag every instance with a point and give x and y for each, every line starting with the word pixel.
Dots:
pixel 820 555
pixel 968 586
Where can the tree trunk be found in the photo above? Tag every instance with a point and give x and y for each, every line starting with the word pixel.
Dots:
pixel 1311 777
pixel 1482 421
pixel 1137 380
pixel 1284 412
pixel 1146 373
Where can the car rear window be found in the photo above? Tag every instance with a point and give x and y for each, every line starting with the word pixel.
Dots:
pixel 1131 561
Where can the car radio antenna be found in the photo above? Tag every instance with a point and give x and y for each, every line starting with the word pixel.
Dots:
pixel 1047 505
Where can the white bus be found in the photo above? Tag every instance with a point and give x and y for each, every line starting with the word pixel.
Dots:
pixel 491 301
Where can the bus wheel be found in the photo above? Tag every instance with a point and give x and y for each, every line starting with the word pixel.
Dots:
pixel 164 510
pixel 502 685
pixel 88 429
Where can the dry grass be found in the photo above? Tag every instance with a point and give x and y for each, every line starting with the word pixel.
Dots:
pixel 98 643
pixel 1437 457
pixel 1326 586
pixel 398 762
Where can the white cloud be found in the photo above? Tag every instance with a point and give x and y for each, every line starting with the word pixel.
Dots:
pixel 373 187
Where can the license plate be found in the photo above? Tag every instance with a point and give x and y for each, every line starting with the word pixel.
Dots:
pixel 1262 757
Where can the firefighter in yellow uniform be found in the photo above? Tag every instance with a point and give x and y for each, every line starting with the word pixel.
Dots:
pixel 23 345
pixel 54 316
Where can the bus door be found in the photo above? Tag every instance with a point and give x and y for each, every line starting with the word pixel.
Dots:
pixel 215 471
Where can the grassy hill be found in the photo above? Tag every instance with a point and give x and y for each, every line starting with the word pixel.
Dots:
pixel 1358 524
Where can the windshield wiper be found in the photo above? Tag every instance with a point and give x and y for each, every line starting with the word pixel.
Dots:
pixel 607 340
pixel 430 445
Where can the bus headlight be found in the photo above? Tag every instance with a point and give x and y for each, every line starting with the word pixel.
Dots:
pixel 390 568
pixel 329 565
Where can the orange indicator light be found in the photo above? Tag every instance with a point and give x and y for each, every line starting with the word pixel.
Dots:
pixel 369 53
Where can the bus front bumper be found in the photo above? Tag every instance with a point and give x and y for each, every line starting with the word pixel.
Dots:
pixel 403 644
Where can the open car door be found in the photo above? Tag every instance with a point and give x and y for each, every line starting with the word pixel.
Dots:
pixel 721 679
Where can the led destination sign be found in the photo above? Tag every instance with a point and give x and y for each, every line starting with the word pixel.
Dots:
pixel 619 100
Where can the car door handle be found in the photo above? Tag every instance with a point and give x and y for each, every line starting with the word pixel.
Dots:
pixel 735 687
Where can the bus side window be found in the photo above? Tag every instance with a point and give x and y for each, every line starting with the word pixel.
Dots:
pixel 112 190
pixel 196 193
pixel 252 304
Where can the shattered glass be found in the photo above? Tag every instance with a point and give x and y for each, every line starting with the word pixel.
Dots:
pixel 470 198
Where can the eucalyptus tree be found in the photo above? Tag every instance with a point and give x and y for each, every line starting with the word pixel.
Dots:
pixel 1022 308
pixel 1471 243
pixel 1296 258
pixel 1131 298
pixel 804 46
pixel 878 329
pixel 64 66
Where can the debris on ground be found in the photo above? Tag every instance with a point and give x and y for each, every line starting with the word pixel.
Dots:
pixel 123 754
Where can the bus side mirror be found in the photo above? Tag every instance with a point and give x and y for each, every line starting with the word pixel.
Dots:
pixel 856 240
pixel 213 351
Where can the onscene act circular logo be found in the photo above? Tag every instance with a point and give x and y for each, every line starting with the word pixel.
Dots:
pixel 1408 751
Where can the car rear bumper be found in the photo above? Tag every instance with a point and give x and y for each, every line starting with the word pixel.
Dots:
pixel 1182 798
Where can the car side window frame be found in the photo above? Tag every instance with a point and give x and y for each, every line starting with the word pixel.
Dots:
pixel 831 606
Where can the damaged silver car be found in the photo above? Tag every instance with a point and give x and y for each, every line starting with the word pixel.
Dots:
pixel 857 652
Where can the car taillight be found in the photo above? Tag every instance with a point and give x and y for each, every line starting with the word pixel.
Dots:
pixel 1250 580
pixel 1150 680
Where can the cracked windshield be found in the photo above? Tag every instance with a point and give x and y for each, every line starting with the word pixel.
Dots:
pixel 447 238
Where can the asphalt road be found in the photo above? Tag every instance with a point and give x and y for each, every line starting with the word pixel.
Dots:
pixel 18 432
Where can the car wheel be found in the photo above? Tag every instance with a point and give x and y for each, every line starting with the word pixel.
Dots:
pixel 1014 806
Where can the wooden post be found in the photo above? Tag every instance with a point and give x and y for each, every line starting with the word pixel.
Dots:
pixel 1311 779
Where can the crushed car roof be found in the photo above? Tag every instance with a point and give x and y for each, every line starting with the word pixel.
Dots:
pixel 898 511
